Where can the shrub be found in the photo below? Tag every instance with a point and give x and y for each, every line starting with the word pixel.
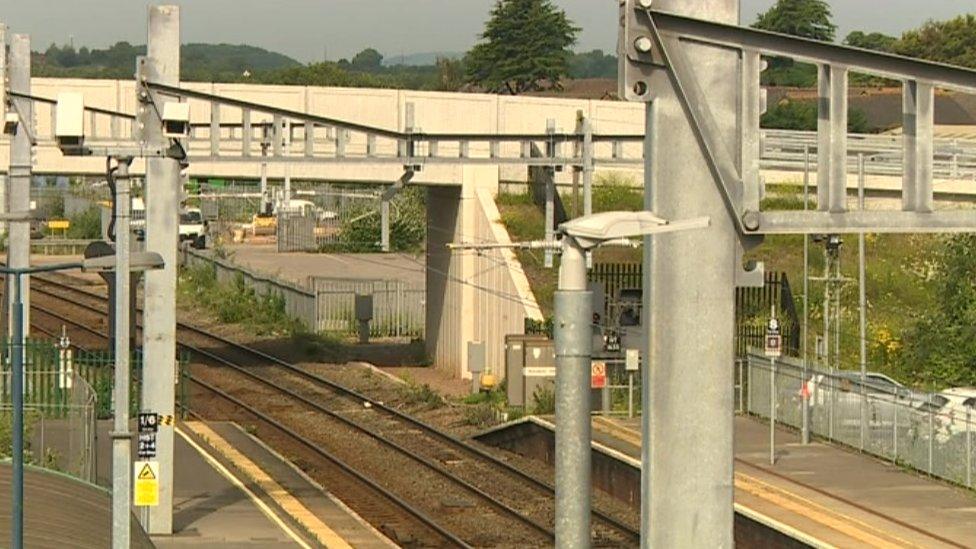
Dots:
pixel 544 400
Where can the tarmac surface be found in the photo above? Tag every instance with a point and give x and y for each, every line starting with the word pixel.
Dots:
pixel 298 267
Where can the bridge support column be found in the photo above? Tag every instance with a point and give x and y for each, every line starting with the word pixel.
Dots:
pixel 689 282
pixel 163 193
pixel 459 309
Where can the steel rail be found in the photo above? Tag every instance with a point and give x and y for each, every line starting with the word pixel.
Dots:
pixel 406 506
pixel 359 397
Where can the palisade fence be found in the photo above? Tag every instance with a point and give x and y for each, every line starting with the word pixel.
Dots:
pixel 328 304
pixel 908 428
pixel 398 309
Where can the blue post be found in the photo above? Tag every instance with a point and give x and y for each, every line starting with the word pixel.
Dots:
pixel 17 528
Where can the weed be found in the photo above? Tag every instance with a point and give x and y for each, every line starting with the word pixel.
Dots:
pixel 480 415
pixel 544 400
pixel 420 395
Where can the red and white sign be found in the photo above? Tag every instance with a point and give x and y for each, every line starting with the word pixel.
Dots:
pixel 598 375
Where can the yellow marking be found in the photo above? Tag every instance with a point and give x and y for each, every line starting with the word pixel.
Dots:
pixel 59 224
pixel 275 491
pixel 784 499
pixel 839 522
pixel 219 467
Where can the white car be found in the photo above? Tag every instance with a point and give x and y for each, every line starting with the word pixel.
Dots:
pixel 958 403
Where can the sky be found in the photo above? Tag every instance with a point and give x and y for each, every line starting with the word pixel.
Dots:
pixel 310 30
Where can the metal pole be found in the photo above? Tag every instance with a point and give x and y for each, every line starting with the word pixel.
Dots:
pixel 19 173
pixel 772 411
pixel 969 448
pixel 894 453
pixel 689 292
pixel 385 224
pixel 931 436
pixel 805 397
pixel 17 528
pixel 573 340
pixel 862 304
pixel 121 437
pixel 163 189
pixel 588 176
pixel 550 213
pixel 630 395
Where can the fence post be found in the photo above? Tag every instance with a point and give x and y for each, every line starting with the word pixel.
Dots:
pixel 894 454
pixel 772 411
pixel 749 378
pixel 969 449
pixel 931 435
pixel 742 387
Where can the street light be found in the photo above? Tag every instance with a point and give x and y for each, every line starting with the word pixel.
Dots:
pixel 140 262
pixel 573 340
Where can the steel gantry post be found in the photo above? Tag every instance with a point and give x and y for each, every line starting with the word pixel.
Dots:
pixel 689 281
pixel 162 65
pixel 19 172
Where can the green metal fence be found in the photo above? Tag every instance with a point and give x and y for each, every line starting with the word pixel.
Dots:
pixel 66 391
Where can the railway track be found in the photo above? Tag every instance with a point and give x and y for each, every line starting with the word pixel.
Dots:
pixel 459 479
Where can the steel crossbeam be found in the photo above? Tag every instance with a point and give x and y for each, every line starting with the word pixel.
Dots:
pixel 654 40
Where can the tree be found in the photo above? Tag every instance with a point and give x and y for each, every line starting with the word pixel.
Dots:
pixel 368 60
pixel 874 41
pixel 525 47
pixel 941 347
pixel 952 41
pixel 806 18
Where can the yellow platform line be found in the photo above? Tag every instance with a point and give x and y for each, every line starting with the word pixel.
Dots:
pixel 236 482
pixel 783 498
pixel 289 503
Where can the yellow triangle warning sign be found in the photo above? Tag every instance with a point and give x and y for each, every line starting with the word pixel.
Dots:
pixel 147 473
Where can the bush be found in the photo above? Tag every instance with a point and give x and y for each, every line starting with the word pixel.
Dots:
pixel 615 192
pixel 361 230
pixel 802 115
pixel 86 225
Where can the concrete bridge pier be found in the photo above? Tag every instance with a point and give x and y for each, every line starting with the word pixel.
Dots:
pixel 471 296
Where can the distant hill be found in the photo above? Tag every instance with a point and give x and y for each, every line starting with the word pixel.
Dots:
pixel 419 59
pixel 198 61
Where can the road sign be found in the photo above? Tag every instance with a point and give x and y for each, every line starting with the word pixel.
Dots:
pixel 148 422
pixel 632 361
pixel 145 488
pixel 147 445
pixel 598 375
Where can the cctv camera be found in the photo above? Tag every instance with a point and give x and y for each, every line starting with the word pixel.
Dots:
pixel 176 120
pixel 10 123
pixel 69 122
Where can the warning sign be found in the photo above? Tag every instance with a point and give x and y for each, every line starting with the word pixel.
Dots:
pixel 145 488
pixel 598 375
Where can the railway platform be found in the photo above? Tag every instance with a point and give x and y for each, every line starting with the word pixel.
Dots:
pixel 231 490
pixel 818 495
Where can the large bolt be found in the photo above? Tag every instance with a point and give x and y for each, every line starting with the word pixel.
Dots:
pixel 643 44
pixel 646 4
pixel 751 220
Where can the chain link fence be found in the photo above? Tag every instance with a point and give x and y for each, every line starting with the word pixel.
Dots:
pixel 919 430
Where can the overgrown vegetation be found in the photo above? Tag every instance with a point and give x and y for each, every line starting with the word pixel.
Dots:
pixel 235 302
pixel 86 225
pixel 612 191
pixel 360 229
pixel 544 400
pixel 422 396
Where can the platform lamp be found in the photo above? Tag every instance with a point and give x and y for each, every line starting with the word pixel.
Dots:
pixel 573 340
